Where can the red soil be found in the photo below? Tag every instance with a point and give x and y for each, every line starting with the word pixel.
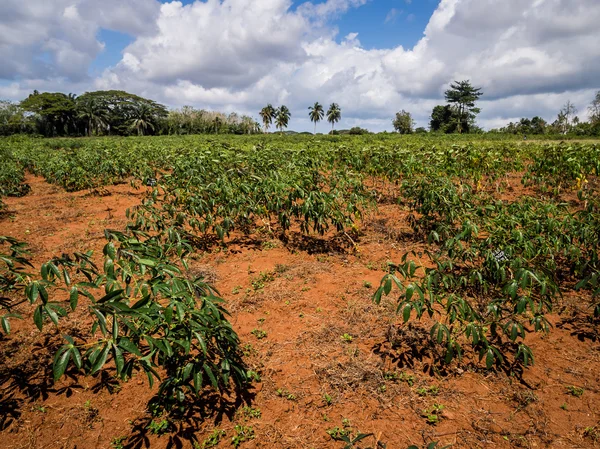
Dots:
pixel 311 302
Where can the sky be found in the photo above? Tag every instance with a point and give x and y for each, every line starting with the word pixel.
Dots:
pixel 372 57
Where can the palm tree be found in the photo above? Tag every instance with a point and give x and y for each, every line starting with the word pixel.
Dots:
pixel 267 114
pixel 95 116
pixel 142 119
pixel 334 114
pixel 316 114
pixel 282 117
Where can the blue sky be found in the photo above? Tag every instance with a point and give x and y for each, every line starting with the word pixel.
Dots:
pixel 379 23
pixel 387 23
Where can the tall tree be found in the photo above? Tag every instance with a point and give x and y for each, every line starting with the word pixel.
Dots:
pixel 123 107
pixel 267 114
pixel 94 115
pixel 463 96
pixel 594 109
pixel 334 114
pixel 442 119
pixel 55 110
pixel 565 117
pixel 403 123
pixel 282 117
pixel 142 118
pixel 316 114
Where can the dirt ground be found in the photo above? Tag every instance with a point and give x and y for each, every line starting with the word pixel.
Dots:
pixel 328 357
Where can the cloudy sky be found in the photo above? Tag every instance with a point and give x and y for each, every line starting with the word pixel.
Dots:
pixel 373 57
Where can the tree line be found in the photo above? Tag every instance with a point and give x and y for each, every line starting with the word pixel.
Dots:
pixel 114 112
pixel 460 112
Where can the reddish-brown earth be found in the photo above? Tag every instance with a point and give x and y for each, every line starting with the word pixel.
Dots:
pixel 307 302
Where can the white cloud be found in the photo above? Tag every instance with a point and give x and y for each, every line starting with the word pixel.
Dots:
pixel 241 54
pixel 392 15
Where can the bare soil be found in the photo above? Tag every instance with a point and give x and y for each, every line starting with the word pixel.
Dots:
pixel 325 359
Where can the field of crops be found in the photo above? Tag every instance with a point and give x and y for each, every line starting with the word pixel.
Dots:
pixel 299 292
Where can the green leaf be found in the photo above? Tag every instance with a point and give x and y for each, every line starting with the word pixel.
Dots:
pixel 406 312
pixel 5 324
pixel 198 380
pixel 129 346
pixel 38 317
pixel 111 295
pixel 211 376
pixel 61 359
pixel 73 298
pixel 101 359
pixel 119 359
pixel 76 357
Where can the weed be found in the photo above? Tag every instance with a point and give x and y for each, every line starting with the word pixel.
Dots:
pixel 432 390
pixel 259 282
pixel 434 414
pixel 327 399
pixel 159 427
pixel 250 412
pixel 337 433
pixel 283 393
pixel 401 376
pixel 212 440
pixel 575 391
pixel 118 442
pixel 347 338
pixel 259 333
pixel 242 433
pixel 592 432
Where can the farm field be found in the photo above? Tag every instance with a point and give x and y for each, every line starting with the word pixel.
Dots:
pixel 299 292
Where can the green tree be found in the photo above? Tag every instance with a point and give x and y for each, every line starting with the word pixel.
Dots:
pixel 282 117
pixel 55 112
pixel 141 119
pixel 13 119
pixel 334 114
pixel 442 119
pixel 122 108
pixel 316 114
pixel 463 96
pixel 403 123
pixel 267 114
pixel 95 116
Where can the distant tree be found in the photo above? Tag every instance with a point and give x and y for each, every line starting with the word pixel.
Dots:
pixel 463 96
pixel 282 118
pixel 95 116
pixel 316 114
pixel 142 119
pixel 334 114
pixel 403 123
pixel 594 109
pixel 358 131
pixel 267 114
pixel 55 110
pixel 123 107
pixel 564 121
pixel 420 130
pixel 442 119
pixel 13 119
pixel 538 125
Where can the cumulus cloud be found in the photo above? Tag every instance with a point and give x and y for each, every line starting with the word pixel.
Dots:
pixel 241 54
pixel 57 38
